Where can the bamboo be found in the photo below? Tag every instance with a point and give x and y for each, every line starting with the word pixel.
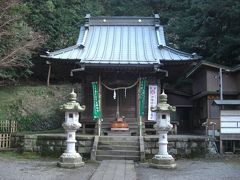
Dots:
pixel 6 128
pixel 5 141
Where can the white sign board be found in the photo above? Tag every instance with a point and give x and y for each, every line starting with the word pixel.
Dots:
pixel 152 101
pixel 230 121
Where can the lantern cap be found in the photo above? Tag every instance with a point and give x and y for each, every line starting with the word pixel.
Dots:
pixel 163 97
pixel 72 96
pixel 163 106
pixel 72 105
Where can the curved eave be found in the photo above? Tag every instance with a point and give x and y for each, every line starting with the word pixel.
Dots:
pixel 170 62
pixel 56 60
pixel 184 54
pixel 118 65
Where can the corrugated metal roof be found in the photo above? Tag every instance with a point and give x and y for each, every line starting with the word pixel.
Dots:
pixel 227 102
pixel 121 40
pixel 213 65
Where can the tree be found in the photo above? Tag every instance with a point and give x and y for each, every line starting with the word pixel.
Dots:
pixel 210 28
pixel 17 41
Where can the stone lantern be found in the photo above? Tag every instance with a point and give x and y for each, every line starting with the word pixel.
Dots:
pixel 70 158
pixel 163 109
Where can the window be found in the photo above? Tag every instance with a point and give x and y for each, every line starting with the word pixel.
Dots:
pixel 164 116
pixel 71 115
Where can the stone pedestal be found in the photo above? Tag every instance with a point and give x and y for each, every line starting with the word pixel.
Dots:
pixel 163 162
pixel 163 159
pixel 70 158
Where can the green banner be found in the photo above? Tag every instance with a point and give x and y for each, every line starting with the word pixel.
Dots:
pixel 142 96
pixel 96 103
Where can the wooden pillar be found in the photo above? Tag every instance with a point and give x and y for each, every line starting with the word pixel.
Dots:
pixel 221 146
pixel 158 90
pixel 84 128
pixel 234 146
pixel 138 104
pixel 49 72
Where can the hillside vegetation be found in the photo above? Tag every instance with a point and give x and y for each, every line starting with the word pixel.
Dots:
pixel 36 107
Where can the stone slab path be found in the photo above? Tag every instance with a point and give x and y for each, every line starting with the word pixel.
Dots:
pixel 115 170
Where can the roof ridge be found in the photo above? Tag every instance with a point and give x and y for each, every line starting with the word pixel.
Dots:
pixel 122 20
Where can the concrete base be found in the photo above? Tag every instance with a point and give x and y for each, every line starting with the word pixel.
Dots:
pixel 70 161
pixel 163 162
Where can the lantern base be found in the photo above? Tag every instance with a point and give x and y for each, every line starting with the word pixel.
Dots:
pixel 68 160
pixel 163 162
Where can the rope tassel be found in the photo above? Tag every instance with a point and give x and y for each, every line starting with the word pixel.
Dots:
pixel 114 94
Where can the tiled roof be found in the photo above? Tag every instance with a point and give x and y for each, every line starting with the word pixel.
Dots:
pixel 121 40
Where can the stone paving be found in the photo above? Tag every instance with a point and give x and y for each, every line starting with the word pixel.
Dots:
pixel 24 169
pixel 115 170
pixel 222 168
pixel 193 169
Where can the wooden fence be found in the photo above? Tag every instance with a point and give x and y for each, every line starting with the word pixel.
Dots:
pixel 5 141
pixel 6 129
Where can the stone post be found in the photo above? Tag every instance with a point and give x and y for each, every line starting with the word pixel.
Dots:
pixel 163 109
pixel 70 158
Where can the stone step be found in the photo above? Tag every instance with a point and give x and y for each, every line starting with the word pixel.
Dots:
pixel 122 143
pixel 118 152
pixel 119 157
pixel 130 132
pixel 130 126
pixel 119 138
pixel 110 122
pixel 126 119
pixel 108 127
pixel 117 147
pixel 119 133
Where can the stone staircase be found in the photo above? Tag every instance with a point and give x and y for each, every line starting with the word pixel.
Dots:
pixel 118 148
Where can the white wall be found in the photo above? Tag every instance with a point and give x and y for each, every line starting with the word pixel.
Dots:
pixel 230 121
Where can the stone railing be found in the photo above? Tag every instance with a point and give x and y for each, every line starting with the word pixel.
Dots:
pixel 55 144
pixel 178 146
pixel 50 144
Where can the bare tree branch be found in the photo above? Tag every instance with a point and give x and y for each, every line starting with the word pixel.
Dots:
pixel 4 8
pixel 11 60
pixel 9 21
